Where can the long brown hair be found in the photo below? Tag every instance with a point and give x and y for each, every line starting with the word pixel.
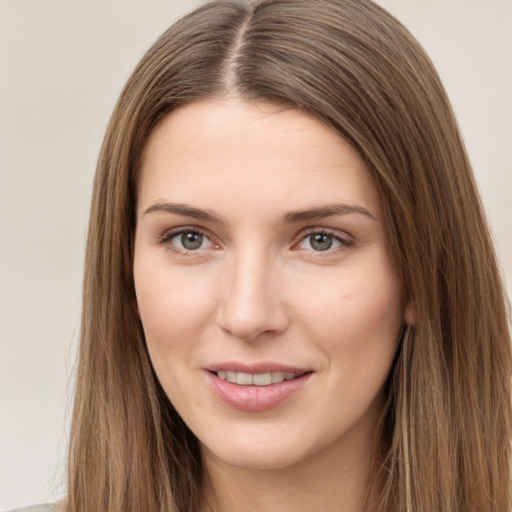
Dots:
pixel 447 426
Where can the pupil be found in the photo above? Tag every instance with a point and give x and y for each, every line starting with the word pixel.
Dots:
pixel 321 242
pixel 191 241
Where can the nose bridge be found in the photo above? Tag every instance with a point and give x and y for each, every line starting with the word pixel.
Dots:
pixel 252 303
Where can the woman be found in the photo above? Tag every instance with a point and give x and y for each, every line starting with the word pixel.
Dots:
pixel 291 299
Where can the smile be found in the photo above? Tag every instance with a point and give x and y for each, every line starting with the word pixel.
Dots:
pixel 256 379
pixel 256 391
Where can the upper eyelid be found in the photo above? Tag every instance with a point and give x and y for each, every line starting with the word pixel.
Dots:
pixel 342 236
pixel 345 241
pixel 168 235
pixel 172 232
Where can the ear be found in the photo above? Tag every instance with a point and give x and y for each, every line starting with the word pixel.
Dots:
pixel 410 314
pixel 135 306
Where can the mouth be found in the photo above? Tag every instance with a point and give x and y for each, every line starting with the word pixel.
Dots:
pixel 257 379
pixel 258 388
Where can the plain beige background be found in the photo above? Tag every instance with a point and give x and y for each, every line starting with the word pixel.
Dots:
pixel 62 65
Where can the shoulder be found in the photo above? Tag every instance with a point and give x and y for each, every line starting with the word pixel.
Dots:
pixel 48 507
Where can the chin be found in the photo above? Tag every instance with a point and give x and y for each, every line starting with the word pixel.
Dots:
pixel 255 457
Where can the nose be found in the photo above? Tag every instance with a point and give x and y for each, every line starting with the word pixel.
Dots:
pixel 252 303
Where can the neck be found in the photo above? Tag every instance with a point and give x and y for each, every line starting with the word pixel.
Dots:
pixel 333 480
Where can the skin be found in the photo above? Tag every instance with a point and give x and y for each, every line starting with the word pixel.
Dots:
pixel 258 289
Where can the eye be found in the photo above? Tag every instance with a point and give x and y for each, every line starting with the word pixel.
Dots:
pixel 322 242
pixel 188 240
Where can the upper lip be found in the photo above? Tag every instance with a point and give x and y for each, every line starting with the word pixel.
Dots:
pixel 255 368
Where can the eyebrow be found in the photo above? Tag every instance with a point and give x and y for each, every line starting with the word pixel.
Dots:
pixel 325 211
pixel 185 211
pixel 292 217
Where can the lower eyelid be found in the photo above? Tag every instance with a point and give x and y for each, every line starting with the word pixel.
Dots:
pixel 166 238
pixel 171 233
pixel 346 241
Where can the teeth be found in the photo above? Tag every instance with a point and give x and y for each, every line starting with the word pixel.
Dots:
pixel 277 377
pixel 244 379
pixel 255 379
pixel 262 379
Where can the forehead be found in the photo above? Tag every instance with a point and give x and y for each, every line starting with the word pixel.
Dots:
pixel 228 151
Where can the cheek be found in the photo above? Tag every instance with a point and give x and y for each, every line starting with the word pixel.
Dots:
pixel 174 304
pixel 356 314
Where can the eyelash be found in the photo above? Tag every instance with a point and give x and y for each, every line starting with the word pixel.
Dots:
pixel 166 238
pixel 344 243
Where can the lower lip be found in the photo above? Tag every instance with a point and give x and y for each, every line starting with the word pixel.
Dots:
pixel 255 398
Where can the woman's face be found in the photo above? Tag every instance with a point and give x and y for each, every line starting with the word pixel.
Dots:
pixel 269 302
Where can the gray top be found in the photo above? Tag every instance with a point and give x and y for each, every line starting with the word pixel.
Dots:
pixel 48 507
